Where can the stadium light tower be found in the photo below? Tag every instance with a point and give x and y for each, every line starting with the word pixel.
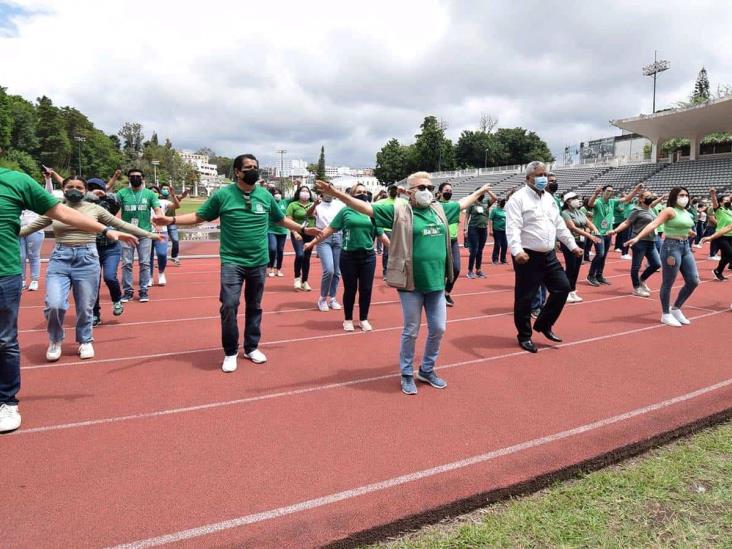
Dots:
pixel 653 70
pixel 79 139
pixel 282 153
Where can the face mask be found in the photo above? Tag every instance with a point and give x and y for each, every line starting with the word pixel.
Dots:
pixel 305 196
pixel 502 204
pixel 164 193
pixel 682 201
pixel 575 203
pixel 447 195
pixel 423 198
pixel 552 187
pixel 727 205
pixel 649 200
pixel 325 198
pixel 135 180
pixel 73 195
pixel 278 197
pixel 540 182
pixel 250 177
pixel 362 196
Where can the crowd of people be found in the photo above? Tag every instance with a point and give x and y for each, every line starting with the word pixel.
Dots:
pixel 414 227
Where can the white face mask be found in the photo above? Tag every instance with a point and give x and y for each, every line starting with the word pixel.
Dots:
pixel 575 203
pixel 423 198
pixel 305 196
pixel 682 201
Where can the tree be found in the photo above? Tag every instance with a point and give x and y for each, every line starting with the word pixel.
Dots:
pixel 523 146
pixel 392 162
pixel 478 149
pixel 132 142
pixel 320 173
pixel 487 123
pixel 6 119
pixel 54 145
pixel 432 151
pixel 23 135
pixel 701 88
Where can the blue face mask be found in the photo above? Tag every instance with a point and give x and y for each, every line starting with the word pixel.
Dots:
pixel 540 182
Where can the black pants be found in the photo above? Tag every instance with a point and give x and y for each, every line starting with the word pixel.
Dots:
pixel 500 245
pixel 542 267
pixel 357 273
pixel 477 237
pixel 233 277
pixel 572 265
pixel 725 246
pixel 455 265
pixel 302 257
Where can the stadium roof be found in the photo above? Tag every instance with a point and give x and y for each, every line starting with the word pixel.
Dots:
pixel 690 122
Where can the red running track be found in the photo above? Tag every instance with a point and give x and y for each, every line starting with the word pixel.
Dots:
pixel 150 443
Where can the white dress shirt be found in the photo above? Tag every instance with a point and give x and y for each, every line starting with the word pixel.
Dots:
pixel 533 221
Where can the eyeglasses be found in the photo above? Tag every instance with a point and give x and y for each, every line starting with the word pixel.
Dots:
pixel 424 188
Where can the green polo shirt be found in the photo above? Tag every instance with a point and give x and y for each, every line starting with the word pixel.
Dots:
pixel 453 226
pixel 498 218
pixel 279 229
pixel 136 205
pixel 244 223
pixel 603 214
pixel 358 230
pixel 298 212
pixel 724 219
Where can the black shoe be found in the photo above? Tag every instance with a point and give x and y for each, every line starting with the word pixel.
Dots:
pixel 535 313
pixel 551 336
pixel 592 281
pixel 97 321
pixel 718 275
pixel 449 301
pixel 528 345
pixel 602 280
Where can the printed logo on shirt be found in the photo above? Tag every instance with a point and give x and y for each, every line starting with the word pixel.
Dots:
pixel 431 230
pixel 258 208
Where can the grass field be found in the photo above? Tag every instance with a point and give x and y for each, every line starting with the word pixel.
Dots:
pixel 189 205
pixel 676 496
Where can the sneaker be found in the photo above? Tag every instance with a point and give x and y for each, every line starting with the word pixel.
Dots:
pixel 86 350
pixel 408 386
pixel 54 351
pixel 366 326
pixel 470 275
pixel 271 273
pixel 678 315
pixel 256 356
pixel 144 298
pixel 323 305
pixel 96 321
pixel 298 284
pixel 592 281
pixel 306 287
pixel 280 273
pixel 176 262
pixel 645 287
pixel 229 364
pixel 640 292
pixel 9 417
pixel 126 298
pixel 449 301
pixel 618 250
pixel 669 320
pixel 432 379
pixel 117 308
pixel 33 286
pixel 602 280
pixel 626 256
pixel 570 298
pixel 697 245
pixel 348 325
pixel 577 298
pixel 480 274
pixel 719 276
pixel 333 304
pixel 535 313
pixel 161 279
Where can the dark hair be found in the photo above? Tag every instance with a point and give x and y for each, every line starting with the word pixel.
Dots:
pixel 443 185
pixel 393 191
pixel 274 190
pixel 606 187
pixel 135 170
pixel 239 160
pixel 73 178
pixel 300 188
pixel 673 195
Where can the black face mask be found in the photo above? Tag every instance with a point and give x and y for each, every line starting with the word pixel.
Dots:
pixel 447 195
pixel 727 205
pixel 502 204
pixel 250 177
pixel 73 195
pixel 135 180
pixel 481 197
pixel 551 188
pixel 362 196
pixel 649 200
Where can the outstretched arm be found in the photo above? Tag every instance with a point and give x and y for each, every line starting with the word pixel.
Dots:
pixel 353 203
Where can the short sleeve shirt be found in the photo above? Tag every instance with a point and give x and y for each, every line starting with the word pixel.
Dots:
pixel 478 215
pixel 358 230
pixel 136 206
pixel 603 214
pixel 298 212
pixel 498 218
pixel 639 218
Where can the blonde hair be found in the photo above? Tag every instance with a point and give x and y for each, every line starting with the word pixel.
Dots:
pixel 418 175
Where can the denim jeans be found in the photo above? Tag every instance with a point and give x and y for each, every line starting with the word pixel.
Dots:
pixel 74 268
pixel 601 249
pixel 357 268
pixel 302 257
pixel 329 252
pixel 500 245
pixel 477 238
pixel 539 298
pixel 647 249
pixel 676 256
pixel 455 265
pixel 621 238
pixel 10 288
pixel 233 277
pixel 572 266
pixel 174 240
pixel 30 250
pixel 436 312
pixel 276 250
pixel 159 248
pixel 143 248
pixel 109 258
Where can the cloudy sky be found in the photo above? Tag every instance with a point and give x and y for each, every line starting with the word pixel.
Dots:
pixel 257 76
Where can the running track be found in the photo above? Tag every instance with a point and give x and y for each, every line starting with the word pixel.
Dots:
pixel 150 443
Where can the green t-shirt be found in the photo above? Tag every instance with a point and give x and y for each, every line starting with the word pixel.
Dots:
pixel 390 201
pixel 358 230
pixel 244 223
pixel 453 226
pixel 429 252
pixel 603 214
pixel 478 215
pixel 279 229
pixel 18 192
pixel 724 218
pixel 498 218
pixel 135 206
pixel 680 225
pixel 658 209
pixel 297 212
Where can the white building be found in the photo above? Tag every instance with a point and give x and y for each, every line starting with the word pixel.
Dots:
pixel 201 164
pixel 344 182
pixel 290 168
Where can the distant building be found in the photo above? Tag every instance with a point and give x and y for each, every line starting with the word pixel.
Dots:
pixel 201 164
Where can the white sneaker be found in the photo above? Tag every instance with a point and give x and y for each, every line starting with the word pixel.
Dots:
pixel 366 326
pixel 33 286
pixel 86 350
pixel 348 325
pixel 570 298
pixel 54 352
pixel 161 279
pixel 298 284
pixel 335 305
pixel 626 256
pixel 229 364
pixel 640 292
pixel 271 273
pixel 9 417
pixel 678 315
pixel 618 250
pixel 280 273
pixel 256 356
pixel 645 287
pixel 306 287
pixel 323 305
pixel 577 298
pixel 669 320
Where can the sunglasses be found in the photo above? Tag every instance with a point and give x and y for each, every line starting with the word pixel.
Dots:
pixel 424 188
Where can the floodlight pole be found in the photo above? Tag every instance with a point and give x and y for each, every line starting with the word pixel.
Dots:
pixel 653 70
pixel 282 153
pixel 79 139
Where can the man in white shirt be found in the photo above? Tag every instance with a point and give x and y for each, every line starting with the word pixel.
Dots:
pixel 533 225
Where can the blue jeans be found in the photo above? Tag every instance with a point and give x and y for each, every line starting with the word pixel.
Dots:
pixel 539 298
pixel 436 312
pixel 73 268
pixel 174 240
pixel 276 250
pixel 329 252
pixel 647 249
pixel 109 258
pixel 601 249
pixel 143 248
pixel 30 250
pixel 159 248
pixel 233 277
pixel 676 256
pixel 10 288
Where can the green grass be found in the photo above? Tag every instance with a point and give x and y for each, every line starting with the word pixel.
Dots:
pixel 676 496
pixel 188 205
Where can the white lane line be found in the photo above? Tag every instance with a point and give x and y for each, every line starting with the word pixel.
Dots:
pixel 393 482
pixel 316 388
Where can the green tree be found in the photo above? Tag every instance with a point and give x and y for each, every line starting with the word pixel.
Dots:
pixel 478 149
pixel 132 142
pixel 701 88
pixel 23 135
pixel 54 145
pixel 320 174
pixel 433 152
pixel 522 146
pixel 23 161
pixel 6 119
pixel 392 162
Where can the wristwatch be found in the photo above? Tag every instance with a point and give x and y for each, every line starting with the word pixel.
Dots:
pixel 104 232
